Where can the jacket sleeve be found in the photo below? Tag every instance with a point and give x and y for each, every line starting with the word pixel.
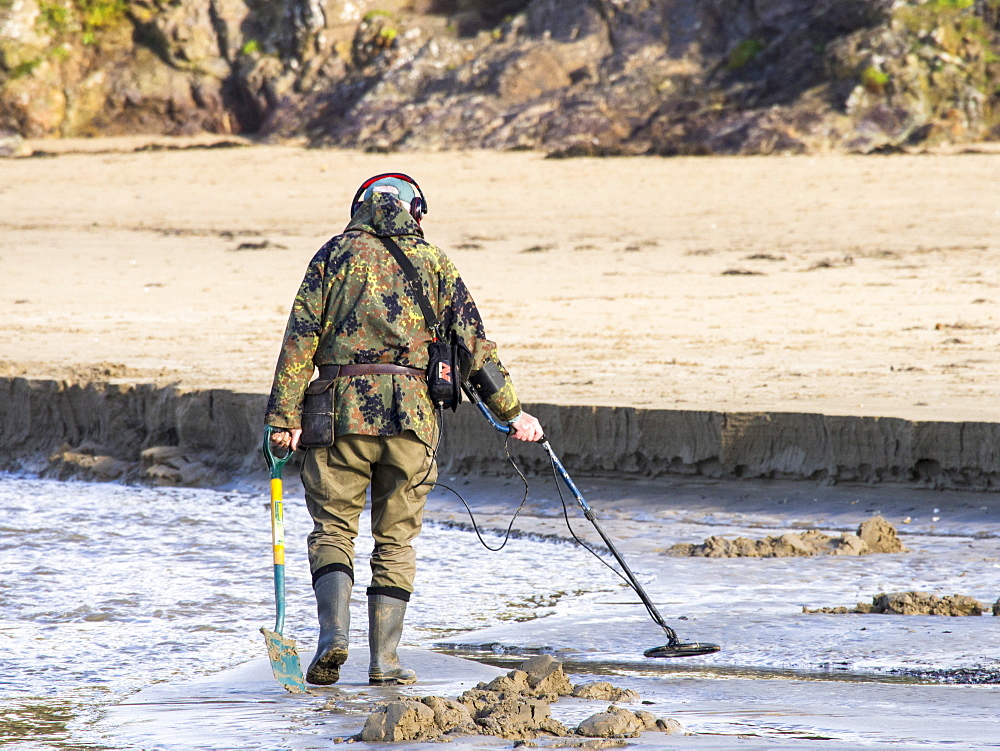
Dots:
pixel 462 317
pixel 295 361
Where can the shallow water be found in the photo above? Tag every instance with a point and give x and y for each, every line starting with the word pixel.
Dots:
pixel 106 590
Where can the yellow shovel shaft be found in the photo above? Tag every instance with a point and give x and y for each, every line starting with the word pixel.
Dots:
pixel 281 649
pixel 278 553
pixel 277 522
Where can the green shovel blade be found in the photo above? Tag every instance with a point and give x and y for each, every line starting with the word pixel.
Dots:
pixel 284 661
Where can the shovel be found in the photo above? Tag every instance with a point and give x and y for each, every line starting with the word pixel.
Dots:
pixel 284 656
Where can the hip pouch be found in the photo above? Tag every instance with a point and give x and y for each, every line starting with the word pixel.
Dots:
pixel 448 366
pixel 317 415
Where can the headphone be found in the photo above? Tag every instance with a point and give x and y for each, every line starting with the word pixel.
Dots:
pixel 418 206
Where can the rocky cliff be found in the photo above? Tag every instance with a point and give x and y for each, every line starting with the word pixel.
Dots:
pixel 566 76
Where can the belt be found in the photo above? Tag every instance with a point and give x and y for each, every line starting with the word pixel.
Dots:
pixel 329 372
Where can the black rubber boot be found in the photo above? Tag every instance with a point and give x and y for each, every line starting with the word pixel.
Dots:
pixel 385 626
pixel 333 606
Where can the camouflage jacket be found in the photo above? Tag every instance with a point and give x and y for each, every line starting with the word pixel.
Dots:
pixel 354 307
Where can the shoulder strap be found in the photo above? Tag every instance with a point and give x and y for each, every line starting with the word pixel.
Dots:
pixel 414 283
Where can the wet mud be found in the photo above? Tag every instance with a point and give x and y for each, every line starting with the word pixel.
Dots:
pixel 875 535
pixel 954 677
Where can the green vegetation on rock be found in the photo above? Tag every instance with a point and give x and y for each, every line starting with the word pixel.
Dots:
pixel 948 22
pixel 88 17
pixel 23 69
pixel 55 16
pixel 874 79
pixel 373 14
pixel 744 53
pixel 97 15
pixel 957 4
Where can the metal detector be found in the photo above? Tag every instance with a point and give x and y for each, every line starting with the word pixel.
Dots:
pixel 674 647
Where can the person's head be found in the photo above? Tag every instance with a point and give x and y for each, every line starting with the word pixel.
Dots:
pixel 402 187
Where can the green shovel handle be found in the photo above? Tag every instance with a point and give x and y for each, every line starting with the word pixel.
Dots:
pixel 274 463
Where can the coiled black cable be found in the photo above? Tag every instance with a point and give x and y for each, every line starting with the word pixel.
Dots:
pixel 472 517
pixel 524 499
pixel 581 543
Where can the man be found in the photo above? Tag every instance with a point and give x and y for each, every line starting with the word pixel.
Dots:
pixel 357 320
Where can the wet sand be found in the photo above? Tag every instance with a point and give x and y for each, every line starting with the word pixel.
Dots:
pixel 836 284
pixel 783 679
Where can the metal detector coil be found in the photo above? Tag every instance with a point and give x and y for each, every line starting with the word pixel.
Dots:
pixel 674 647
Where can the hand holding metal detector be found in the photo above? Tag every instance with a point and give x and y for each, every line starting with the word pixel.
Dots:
pixel 674 647
pixel 281 649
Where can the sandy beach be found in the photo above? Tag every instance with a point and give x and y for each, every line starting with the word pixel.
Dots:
pixel 840 285
pixel 845 285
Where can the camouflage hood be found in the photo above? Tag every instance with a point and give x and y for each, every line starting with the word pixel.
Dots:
pixel 383 216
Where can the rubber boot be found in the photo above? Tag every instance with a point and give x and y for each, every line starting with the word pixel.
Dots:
pixel 333 606
pixel 385 626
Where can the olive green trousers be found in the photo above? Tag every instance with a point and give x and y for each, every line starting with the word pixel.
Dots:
pixel 399 469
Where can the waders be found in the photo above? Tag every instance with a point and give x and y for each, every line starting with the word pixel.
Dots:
pixel 674 647
pixel 281 649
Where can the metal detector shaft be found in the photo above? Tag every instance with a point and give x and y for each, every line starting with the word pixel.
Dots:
pixel 592 518
pixel 587 511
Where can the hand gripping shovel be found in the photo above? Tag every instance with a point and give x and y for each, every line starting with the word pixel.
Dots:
pixel 284 657
pixel 674 647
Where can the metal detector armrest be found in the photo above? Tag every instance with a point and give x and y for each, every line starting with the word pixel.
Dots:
pixel 490 417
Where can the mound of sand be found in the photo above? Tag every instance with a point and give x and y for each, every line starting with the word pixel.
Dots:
pixel 515 707
pixel 875 535
pixel 914 603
